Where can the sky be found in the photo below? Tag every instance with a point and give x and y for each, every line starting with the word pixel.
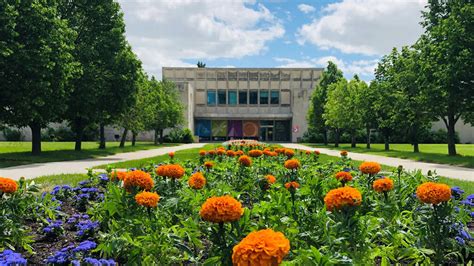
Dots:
pixel 354 34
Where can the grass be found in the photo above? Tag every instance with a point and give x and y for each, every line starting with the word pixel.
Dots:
pixel 18 153
pixel 433 153
pixel 49 181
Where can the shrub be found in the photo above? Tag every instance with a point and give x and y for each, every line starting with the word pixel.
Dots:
pixel 13 134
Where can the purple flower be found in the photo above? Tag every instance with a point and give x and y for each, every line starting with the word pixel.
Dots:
pixel 457 192
pixel 8 257
pixel 85 246
pixel 86 228
pixel 460 240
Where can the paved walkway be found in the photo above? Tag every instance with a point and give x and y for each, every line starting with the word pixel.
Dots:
pixel 79 166
pixel 450 171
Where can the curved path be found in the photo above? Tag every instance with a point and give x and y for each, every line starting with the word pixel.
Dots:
pixel 79 166
pixel 450 171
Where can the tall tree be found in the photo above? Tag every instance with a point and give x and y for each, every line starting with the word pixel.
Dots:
pixel 36 65
pixel 447 53
pixel 368 96
pixel 315 117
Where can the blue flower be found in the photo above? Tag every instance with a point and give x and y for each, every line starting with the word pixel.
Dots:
pixel 86 227
pixel 457 192
pixel 8 257
pixel 85 246
pixel 460 240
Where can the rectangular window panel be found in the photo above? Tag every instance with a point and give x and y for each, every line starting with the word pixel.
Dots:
pixel 232 97
pixel 211 97
pixel 221 97
pixel 263 97
pixel 275 97
pixel 253 97
pixel 243 97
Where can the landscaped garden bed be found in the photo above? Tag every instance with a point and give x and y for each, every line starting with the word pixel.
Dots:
pixel 244 203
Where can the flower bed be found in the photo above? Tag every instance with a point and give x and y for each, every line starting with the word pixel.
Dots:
pixel 243 205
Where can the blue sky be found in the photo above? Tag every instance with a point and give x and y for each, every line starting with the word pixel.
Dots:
pixel 247 33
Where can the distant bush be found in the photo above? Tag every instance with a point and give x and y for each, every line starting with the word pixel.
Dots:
pixel 13 134
pixel 64 133
pixel 179 135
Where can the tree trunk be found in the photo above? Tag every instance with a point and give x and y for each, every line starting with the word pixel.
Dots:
pixel 386 139
pixel 414 138
pixel 156 137
pixel 134 138
pixel 35 138
pixel 353 139
pixel 451 123
pixel 102 136
pixel 368 137
pixel 336 138
pixel 79 132
pixel 124 138
pixel 161 136
pixel 325 137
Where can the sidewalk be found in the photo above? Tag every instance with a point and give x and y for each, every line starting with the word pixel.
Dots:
pixel 79 166
pixel 446 170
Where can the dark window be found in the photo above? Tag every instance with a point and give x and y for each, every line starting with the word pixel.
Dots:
pixel 232 97
pixel 243 97
pixel 253 97
pixel 275 97
pixel 263 97
pixel 221 97
pixel 211 97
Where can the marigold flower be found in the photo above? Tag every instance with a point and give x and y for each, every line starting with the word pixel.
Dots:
pixel 383 184
pixel 289 153
pixel 264 247
pixel 340 197
pixel 202 153
pixel 343 153
pixel 370 168
pixel 118 175
pixel 292 164
pixel 138 179
pixel 280 150
pixel 208 165
pixel 8 185
pixel 230 153
pixel 171 154
pixel 343 176
pixel 245 160
pixel 147 199
pixel 316 152
pixel 433 193
pixel 255 153
pixel 220 151
pixel 292 184
pixel 308 152
pixel 212 152
pixel 221 209
pixel 161 170
pixel 267 152
pixel 175 171
pixel 270 179
pixel 197 181
pixel 239 153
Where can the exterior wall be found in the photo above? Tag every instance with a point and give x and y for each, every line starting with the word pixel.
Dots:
pixel 465 131
pixel 295 86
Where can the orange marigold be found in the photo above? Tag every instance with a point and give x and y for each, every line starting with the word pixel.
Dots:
pixel 239 153
pixel 118 175
pixel 264 247
pixel 343 176
pixel 270 179
pixel 255 153
pixel 220 151
pixel 343 153
pixel 8 185
pixel 175 171
pixel 171 154
pixel 230 153
pixel 245 160
pixel 340 197
pixel 212 152
pixel 138 179
pixel 197 180
pixel 202 153
pixel 221 209
pixel 208 165
pixel 383 184
pixel 161 170
pixel 308 152
pixel 370 168
pixel 289 153
pixel 433 193
pixel 292 164
pixel 147 199
pixel 317 152
pixel 292 184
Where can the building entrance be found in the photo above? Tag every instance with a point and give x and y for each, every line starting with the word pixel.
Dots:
pixel 266 131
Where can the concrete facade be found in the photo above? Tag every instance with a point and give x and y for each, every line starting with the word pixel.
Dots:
pixel 261 103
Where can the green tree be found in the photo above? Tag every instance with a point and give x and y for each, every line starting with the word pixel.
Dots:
pixel 368 96
pixel 446 56
pixel 36 65
pixel 319 96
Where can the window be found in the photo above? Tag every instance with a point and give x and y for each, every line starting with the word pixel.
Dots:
pixel 211 97
pixel 221 97
pixel 263 97
pixel 243 97
pixel 275 97
pixel 253 97
pixel 232 95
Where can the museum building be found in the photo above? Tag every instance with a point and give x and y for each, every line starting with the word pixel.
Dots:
pixel 267 104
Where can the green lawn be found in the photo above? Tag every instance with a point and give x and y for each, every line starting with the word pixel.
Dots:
pixel 18 153
pixel 48 182
pixel 434 153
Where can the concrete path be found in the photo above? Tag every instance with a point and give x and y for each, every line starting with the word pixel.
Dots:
pixel 79 166
pixel 450 171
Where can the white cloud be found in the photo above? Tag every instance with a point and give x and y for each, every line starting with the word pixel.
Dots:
pixel 363 68
pixel 306 8
pixel 370 27
pixel 167 33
